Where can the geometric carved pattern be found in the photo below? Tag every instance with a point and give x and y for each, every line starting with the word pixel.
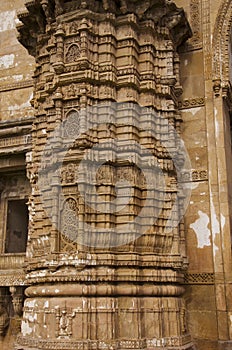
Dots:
pixel 199 278
pixel 72 124
pixel 14 279
pixel 69 225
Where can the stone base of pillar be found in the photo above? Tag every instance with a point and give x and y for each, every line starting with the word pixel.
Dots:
pixel 93 322
pixel 35 344
pixel 225 345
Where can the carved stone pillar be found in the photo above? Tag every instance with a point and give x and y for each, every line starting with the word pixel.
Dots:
pixel 105 257
pixel 17 302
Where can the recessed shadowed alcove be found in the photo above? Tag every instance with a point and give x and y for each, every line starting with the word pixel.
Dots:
pixel 17 226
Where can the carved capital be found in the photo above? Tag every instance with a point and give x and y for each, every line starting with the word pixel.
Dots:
pixel 17 300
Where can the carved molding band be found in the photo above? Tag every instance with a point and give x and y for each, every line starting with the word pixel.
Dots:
pixel 191 103
pixel 121 289
pixel 14 279
pixel 101 345
pixel 199 278
pixel 195 176
pixel 15 86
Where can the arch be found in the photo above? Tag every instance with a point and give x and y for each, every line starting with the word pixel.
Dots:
pixel 221 38
pixel 73 53
pixel 69 221
pixel 71 125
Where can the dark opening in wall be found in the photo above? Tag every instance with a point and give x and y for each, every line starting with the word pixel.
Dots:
pixel 17 226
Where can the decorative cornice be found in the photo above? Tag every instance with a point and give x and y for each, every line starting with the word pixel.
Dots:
pixel 41 14
pixel 15 86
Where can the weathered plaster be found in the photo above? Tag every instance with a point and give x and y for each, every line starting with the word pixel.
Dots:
pixel 200 227
pixel 7 61
pixel 7 20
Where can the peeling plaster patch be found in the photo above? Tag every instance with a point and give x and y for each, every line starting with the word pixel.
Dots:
pixel 57 291
pixel 185 62
pixel 217 128
pixel 223 221
pixel 4 79
pixel 17 21
pixel 195 110
pixel 231 319
pixel 7 20
pixel 26 329
pixel 193 185
pixel 200 226
pixel 30 303
pixel 191 202
pixel 32 318
pixel 7 61
pixel 17 77
pixel 202 193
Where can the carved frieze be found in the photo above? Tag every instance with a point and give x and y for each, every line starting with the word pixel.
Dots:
pixel 14 86
pixel 199 278
pixel 195 175
pixel 191 103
